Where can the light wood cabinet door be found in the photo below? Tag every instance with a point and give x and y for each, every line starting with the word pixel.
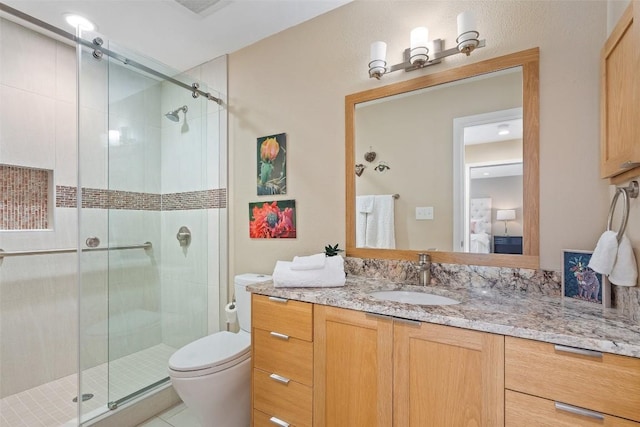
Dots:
pixel 353 369
pixel 446 376
pixel 619 98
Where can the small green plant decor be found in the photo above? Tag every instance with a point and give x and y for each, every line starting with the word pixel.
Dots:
pixel 332 250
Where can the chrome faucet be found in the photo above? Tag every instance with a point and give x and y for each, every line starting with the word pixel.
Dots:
pixel 424 269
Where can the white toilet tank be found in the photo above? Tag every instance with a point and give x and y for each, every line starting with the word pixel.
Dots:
pixel 243 298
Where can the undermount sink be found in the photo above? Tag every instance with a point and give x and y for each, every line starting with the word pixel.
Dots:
pixel 410 297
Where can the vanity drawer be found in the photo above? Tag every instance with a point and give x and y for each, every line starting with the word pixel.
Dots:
pixel 286 356
pixel 291 402
pixel 600 382
pixel 525 410
pixel 292 318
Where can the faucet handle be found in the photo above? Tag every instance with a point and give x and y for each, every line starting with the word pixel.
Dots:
pixel 424 258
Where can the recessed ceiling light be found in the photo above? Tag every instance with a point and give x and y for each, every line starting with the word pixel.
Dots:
pixel 486 173
pixel 503 129
pixel 77 21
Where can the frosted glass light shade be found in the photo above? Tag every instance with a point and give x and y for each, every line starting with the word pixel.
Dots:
pixel 506 215
pixel 378 51
pixel 418 46
pixel 467 33
pixel 378 63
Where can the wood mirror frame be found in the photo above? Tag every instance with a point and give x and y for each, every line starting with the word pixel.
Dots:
pixel 529 61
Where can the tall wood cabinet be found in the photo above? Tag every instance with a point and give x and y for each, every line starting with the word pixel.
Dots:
pixel 381 371
pixel 620 99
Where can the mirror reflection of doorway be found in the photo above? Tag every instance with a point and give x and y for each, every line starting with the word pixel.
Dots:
pixel 487 178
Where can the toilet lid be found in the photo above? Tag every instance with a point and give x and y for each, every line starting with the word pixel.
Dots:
pixel 210 351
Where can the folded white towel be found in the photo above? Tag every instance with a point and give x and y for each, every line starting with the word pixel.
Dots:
pixel 332 275
pixel 311 262
pixel 625 269
pixel 364 204
pixel 604 255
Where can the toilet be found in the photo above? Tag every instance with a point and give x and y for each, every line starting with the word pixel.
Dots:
pixel 212 375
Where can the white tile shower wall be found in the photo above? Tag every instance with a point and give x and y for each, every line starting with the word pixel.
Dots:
pixel 38 301
pixel 184 277
pixel 134 282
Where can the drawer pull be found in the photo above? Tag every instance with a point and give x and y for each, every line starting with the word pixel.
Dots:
pixel 579 411
pixel 629 165
pixel 378 316
pixel 280 300
pixel 278 422
pixel 578 351
pixel 407 321
pixel 279 335
pixel 279 378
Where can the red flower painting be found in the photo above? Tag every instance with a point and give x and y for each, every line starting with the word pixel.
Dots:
pixel 272 220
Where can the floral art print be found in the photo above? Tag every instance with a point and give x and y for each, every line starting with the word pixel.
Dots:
pixel 272 220
pixel 272 159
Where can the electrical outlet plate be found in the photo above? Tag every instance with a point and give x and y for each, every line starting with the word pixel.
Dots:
pixel 424 213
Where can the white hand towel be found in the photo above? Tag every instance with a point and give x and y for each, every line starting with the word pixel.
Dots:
pixel 364 204
pixel 332 275
pixel 604 255
pixel 311 262
pixel 625 270
pixel 380 229
pixel 361 229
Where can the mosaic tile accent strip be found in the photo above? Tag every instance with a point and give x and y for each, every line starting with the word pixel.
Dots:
pixel 92 198
pixel 66 197
pixel 24 200
pixel 207 199
pixel 113 199
pixel 541 282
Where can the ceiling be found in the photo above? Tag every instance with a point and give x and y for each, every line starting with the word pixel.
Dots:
pixel 171 33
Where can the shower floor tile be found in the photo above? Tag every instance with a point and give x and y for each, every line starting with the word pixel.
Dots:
pixel 51 405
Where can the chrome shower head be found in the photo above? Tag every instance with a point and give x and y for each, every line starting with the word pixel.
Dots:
pixel 173 115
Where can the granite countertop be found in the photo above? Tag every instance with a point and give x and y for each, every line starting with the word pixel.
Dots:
pixel 543 318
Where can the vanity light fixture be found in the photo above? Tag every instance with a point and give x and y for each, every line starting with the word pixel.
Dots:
pixel 422 52
pixel 503 129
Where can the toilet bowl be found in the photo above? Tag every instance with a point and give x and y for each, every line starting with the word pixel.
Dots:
pixel 212 375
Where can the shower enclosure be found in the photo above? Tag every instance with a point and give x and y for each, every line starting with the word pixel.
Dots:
pixel 113 220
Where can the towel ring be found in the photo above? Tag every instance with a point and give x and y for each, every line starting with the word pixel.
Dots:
pixel 630 192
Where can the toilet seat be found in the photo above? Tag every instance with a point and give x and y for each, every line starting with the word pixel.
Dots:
pixel 210 354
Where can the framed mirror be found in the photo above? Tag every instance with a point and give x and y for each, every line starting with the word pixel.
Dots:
pixel 428 151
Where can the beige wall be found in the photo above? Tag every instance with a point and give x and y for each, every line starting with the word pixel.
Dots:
pixel 295 82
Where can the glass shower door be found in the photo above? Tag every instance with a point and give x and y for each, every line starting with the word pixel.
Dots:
pixel 143 176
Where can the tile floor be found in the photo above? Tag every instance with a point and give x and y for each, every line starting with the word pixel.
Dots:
pixel 51 405
pixel 178 416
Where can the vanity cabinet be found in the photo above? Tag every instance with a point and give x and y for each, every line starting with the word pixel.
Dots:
pixel 620 98
pixel 353 354
pixel 380 371
pixel 446 376
pixel 282 362
pixel 550 385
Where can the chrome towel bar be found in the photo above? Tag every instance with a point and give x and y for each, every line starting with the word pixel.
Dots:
pixel 630 192
pixel 3 254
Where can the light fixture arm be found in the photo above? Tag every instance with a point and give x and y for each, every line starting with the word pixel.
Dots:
pixel 435 57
